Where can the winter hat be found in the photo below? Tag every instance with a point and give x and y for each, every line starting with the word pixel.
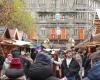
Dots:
pixel 16 63
pixel 42 57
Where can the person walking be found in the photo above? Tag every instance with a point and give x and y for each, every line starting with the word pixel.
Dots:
pixel 94 72
pixel 41 69
pixel 70 67
pixel 15 70
pixel 56 64
pixel 26 61
pixel 7 62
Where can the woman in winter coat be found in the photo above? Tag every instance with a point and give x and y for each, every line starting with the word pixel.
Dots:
pixel 56 64
pixel 7 62
pixel 15 70
pixel 94 72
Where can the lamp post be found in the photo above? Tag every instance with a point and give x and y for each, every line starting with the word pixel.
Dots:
pixel 58 34
pixel 58 31
pixel 37 39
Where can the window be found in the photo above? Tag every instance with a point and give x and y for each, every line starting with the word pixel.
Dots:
pixel 75 32
pixel 43 2
pixel 42 32
pixel 71 32
pixel 63 1
pixel 53 1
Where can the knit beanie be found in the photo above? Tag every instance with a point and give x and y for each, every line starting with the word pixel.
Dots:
pixel 42 57
pixel 15 69
pixel 16 63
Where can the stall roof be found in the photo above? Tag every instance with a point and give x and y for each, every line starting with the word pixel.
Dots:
pixel 21 43
pixel 48 49
pixel 15 42
pixel 20 35
pixel 4 33
pixel 87 42
pixel 97 37
pixel 13 33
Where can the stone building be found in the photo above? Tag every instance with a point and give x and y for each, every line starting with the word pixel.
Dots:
pixel 74 18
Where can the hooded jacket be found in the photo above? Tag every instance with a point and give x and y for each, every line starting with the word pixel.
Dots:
pixel 94 72
pixel 41 69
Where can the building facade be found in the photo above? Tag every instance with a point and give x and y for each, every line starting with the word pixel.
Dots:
pixel 75 18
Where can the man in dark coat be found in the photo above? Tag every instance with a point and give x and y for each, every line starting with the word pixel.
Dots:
pixel 94 72
pixel 41 69
pixel 70 66
pixel 86 62
pixel 26 63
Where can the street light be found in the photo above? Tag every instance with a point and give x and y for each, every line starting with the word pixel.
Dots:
pixel 58 30
pixel 58 33
pixel 57 16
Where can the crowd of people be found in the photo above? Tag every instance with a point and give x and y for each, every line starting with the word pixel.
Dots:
pixel 68 64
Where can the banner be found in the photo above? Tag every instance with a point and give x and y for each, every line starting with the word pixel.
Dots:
pixel 63 33
pixel 52 34
pixel 81 33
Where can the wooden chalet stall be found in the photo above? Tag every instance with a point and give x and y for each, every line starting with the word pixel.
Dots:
pixel 11 39
pixel 5 40
pixel 19 38
pixel 13 33
pixel 91 43
pixel 95 43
